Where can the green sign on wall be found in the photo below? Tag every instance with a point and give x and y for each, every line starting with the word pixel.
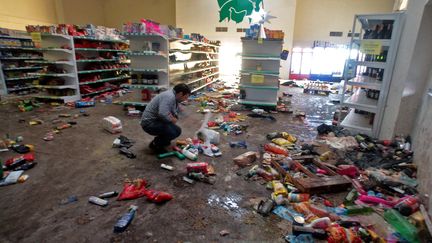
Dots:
pixel 236 10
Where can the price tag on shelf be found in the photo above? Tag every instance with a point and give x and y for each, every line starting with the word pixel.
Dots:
pixel 371 47
pixel 260 40
pixel 36 38
pixel 257 79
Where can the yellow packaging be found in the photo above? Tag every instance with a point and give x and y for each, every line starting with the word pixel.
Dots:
pixel 289 137
pixel 279 188
pixel 281 141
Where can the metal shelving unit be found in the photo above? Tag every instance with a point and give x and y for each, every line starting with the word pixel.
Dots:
pixel 148 63
pixel 14 52
pixel 193 63
pixel 369 69
pixel 103 67
pixel 58 54
pixel 259 82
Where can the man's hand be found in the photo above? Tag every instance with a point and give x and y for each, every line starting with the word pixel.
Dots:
pixel 172 118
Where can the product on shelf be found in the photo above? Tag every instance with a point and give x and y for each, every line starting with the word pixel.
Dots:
pixel 92 31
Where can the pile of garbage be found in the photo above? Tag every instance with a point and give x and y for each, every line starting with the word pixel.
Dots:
pixel 380 173
pixel 12 171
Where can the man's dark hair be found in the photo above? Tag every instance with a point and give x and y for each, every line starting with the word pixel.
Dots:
pixel 182 88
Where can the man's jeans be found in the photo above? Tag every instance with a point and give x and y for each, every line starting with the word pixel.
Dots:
pixel 164 132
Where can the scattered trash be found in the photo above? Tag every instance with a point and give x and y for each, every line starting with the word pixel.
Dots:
pixel 224 233
pixel 108 194
pixel 246 159
pixel 167 167
pixel 68 200
pixel 98 201
pixel 127 153
pixel 238 144
pixel 124 221
pixel 112 124
pixel 133 190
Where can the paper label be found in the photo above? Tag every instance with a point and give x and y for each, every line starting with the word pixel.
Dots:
pixel 257 79
pixel 371 47
pixel 260 40
pixel 36 38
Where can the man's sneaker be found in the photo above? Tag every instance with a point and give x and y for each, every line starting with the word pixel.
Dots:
pixel 157 149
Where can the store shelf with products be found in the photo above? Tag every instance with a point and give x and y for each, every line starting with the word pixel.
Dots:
pixel 102 65
pixel 99 55
pixel 193 63
pixel 369 72
pixel 58 80
pixel 148 67
pixel 259 74
pixel 14 54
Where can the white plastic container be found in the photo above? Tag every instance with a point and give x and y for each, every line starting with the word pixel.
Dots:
pixel 112 124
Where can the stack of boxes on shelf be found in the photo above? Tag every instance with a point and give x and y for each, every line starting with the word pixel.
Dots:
pixel 99 56
pixel 369 73
pixel 259 83
pixel 160 55
pixel 14 52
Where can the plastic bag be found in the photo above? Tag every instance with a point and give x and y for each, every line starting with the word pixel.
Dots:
pixel 208 136
pixel 281 142
pixel 158 196
pixel 133 190
pixel 246 158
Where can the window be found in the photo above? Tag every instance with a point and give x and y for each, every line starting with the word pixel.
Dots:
pixel 319 60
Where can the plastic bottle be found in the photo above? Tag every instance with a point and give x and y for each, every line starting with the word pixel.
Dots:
pixel 357 209
pixel 351 197
pixel 376 200
pixel 298 197
pixel 407 206
pixel 189 154
pixel 123 222
pixel 279 188
pixel 273 148
pixel 401 225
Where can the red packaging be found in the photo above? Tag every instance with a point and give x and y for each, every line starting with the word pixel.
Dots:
pixel 232 114
pixel 273 148
pixel 349 170
pixel 133 190
pixel 197 167
pixel 29 157
pixel 158 196
pixel 211 124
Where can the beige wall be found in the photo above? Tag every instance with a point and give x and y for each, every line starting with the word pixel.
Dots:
pixel 17 14
pixel 316 18
pixel 117 12
pixel 202 16
pixel 82 12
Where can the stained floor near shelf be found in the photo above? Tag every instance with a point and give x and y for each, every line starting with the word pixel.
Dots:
pixel 81 162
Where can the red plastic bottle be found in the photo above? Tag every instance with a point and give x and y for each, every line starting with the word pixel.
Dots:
pixel 273 148
pixel 407 205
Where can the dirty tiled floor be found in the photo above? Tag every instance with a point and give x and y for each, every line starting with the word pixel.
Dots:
pixel 81 162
